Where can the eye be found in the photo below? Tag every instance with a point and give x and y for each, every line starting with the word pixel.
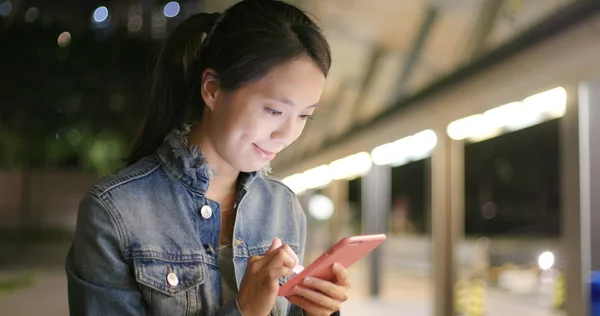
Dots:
pixel 273 112
pixel 306 116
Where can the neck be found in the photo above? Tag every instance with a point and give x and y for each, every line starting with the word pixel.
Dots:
pixel 224 178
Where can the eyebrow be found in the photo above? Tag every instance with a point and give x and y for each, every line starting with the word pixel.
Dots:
pixel 290 102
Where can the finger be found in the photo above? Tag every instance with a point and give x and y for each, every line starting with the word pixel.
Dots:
pixel 293 254
pixel 342 275
pixel 318 298
pixel 256 263
pixel 277 243
pixel 281 256
pixel 309 306
pixel 274 245
pixel 332 290
pixel 277 272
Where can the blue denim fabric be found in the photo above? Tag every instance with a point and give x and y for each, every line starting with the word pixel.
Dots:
pixel 144 222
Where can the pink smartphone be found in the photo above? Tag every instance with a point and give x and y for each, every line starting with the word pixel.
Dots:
pixel 345 252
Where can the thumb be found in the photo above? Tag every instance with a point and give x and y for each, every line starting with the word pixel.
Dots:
pixel 276 244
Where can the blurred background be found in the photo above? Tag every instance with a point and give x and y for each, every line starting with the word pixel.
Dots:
pixel 463 129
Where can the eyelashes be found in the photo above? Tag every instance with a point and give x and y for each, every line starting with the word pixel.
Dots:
pixel 274 112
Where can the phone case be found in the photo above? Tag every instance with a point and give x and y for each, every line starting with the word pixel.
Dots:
pixel 345 252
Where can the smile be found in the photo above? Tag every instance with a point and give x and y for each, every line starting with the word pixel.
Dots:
pixel 264 153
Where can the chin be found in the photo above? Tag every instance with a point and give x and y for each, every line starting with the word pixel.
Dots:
pixel 250 166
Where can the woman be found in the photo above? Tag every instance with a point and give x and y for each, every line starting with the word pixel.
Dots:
pixel 194 225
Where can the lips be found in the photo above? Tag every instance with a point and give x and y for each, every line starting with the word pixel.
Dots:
pixel 269 155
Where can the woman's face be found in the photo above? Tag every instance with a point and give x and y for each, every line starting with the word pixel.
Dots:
pixel 249 126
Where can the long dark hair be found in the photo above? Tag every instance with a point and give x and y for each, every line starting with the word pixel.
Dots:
pixel 242 45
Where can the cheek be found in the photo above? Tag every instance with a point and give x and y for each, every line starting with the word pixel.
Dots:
pixel 252 128
pixel 234 122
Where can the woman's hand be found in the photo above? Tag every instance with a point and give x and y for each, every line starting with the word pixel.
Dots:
pixel 259 287
pixel 322 298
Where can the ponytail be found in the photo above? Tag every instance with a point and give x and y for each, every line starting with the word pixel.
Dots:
pixel 173 96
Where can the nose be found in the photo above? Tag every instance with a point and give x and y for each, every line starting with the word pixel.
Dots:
pixel 287 132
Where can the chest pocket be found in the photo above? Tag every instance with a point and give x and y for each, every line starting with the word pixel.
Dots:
pixel 169 287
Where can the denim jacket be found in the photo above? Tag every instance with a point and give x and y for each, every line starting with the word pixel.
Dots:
pixel 146 237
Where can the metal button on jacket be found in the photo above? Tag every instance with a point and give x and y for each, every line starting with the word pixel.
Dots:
pixel 206 211
pixel 172 279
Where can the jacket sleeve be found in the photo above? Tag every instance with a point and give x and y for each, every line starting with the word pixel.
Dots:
pixel 100 281
pixel 230 308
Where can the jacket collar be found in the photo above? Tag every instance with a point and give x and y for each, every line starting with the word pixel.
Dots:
pixel 187 164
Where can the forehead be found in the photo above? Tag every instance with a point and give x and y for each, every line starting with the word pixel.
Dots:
pixel 301 81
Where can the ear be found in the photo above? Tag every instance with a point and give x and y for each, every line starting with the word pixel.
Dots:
pixel 210 88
